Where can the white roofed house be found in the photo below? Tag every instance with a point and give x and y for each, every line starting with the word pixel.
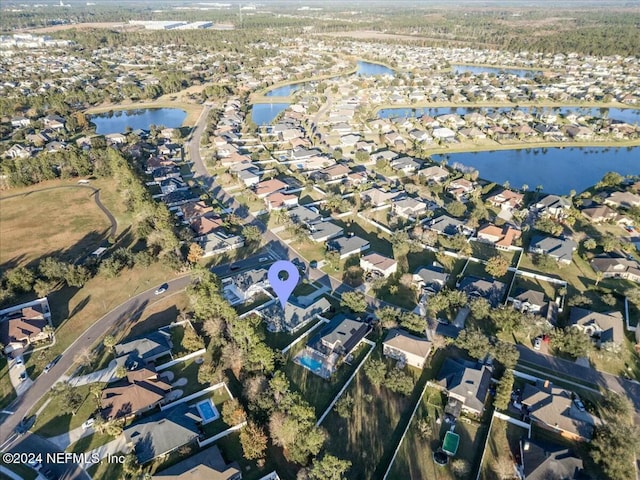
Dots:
pixel 434 174
pixel 553 206
pixel 409 207
pixel 18 151
pixel 461 188
pixel 406 348
pixel 374 262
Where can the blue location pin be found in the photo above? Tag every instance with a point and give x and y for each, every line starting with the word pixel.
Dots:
pixel 283 288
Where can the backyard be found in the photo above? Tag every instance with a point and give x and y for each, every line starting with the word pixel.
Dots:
pixel 503 444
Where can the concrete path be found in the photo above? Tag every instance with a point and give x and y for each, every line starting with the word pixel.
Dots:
pixel 104 376
pixel 112 448
pixel 15 370
pixel 63 440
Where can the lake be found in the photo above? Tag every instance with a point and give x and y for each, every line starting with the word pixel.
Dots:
pixel 477 69
pixel 558 170
pixel 264 113
pixel 628 115
pixel 363 69
pixel 117 121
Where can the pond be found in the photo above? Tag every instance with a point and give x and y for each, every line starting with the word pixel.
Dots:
pixel 363 69
pixel 117 121
pixel 264 113
pixel 558 170
pixel 628 115
pixel 478 69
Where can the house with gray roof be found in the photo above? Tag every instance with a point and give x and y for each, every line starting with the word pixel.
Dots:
pixel 162 433
pixel 560 249
pixel 207 464
pixel 294 316
pixel 606 329
pixel 245 285
pixel 544 460
pixel 341 336
pixel 446 225
pixel 553 206
pixel 406 348
pixel 528 301
pixel 466 384
pixel 143 350
pixel 347 246
pixel 304 215
pixel 323 231
pixel 432 279
pixel 491 290
pixel 614 266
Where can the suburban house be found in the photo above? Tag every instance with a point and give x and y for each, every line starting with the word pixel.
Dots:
pixel 500 237
pixel 193 210
pixel 163 432
pixel 466 384
pixel 409 207
pixel 244 286
pixel 323 231
pixel 144 350
pixel 544 460
pixel 560 249
pixel 374 262
pixel 219 242
pixel 617 267
pixel 623 199
pixel 207 464
pixel 205 224
pixel 552 408
pixel 531 301
pixel 506 200
pixel 491 290
pixel 294 316
pixel 606 329
pixel 460 188
pixel 553 206
pixel 602 213
pixel 304 215
pixel 431 279
pixel 267 187
pixel 140 391
pixel 407 348
pixel 341 336
pixel 434 174
pixel 347 246
pixel 24 324
pixel 279 200
pixel 446 225
pixel 377 197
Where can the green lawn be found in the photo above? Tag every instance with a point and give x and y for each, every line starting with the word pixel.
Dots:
pixel 7 393
pixel 485 251
pixel 316 390
pixel 106 471
pixel 279 340
pixel 52 422
pixel 479 270
pixel 503 444
pixel 525 283
pixel 89 442
pixel 188 370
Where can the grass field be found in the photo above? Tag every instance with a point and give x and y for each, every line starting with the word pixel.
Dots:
pixel 7 393
pixel 90 442
pixel 21 470
pixel 51 422
pixel 503 443
pixel 68 218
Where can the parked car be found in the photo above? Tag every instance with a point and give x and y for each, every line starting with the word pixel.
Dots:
pixel 263 259
pixel 51 364
pixel 537 343
pixel 161 289
pixel 234 267
pixel 19 361
pixel 578 402
pixel 23 376
pixel 313 264
pixel 88 423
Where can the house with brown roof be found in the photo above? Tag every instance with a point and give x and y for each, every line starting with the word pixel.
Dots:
pixel 279 200
pixel 374 262
pixel 207 464
pixel 407 348
pixel 266 188
pixel 25 324
pixel 506 200
pixel 500 237
pixel 192 210
pixel 623 199
pixel 205 224
pixel 141 391
pixel 617 267
pixel 552 408
pixel 603 213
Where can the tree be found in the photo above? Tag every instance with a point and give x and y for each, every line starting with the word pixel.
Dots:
pixel 460 468
pixel 376 371
pixel 195 253
pixel 20 278
pixel 131 467
pixel 344 406
pixel 208 373
pixel 611 179
pixel 414 323
pixel 506 353
pixel 254 441
pixel 191 341
pixel 480 308
pixel 388 317
pixel 399 382
pixel 456 208
pixel 503 392
pixel 252 234
pixel 329 468
pixel 109 341
pixel 571 341
pixel 233 413
pixel 120 372
pixel 497 266
pixel 425 428
pixel 506 319
pixel 474 342
pixel 589 244
pixel 69 399
pixel 355 301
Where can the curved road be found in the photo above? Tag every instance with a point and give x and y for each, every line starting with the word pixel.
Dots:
pixel 96 197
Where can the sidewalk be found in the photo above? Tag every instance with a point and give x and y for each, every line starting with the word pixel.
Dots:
pixel 112 448
pixel 63 440
pixel 104 376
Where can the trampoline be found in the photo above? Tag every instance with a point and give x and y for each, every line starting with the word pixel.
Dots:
pixel 450 443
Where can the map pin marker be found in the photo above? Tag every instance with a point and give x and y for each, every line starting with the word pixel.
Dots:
pixel 283 288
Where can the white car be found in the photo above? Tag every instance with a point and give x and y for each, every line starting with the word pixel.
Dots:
pixel 88 423
pixel 263 259
pixel 537 343
pixel 19 361
pixel 161 289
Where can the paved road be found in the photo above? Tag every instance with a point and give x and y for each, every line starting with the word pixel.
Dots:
pixel 584 375
pixel 41 385
pixel 96 197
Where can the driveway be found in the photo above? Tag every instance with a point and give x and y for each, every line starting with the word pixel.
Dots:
pixel 15 370
pixel 64 440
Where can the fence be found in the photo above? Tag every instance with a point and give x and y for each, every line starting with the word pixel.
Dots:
pixel 198 353
pixel 188 398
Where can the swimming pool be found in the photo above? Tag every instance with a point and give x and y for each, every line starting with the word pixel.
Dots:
pixel 310 363
pixel 207 410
